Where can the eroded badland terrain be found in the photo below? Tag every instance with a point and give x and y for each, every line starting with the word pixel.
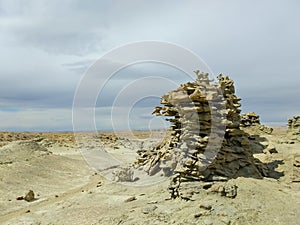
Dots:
pixel 254 178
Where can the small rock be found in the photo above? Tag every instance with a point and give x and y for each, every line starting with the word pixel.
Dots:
pixel 202 212
pixel 147 210
pixel 230 191
pixel 152 202
pixel 20 198
pixel 29 196
pixel 199 214
pixel 207 185
pixel 271 149
pixel 205 206
pixel 296 162
pixel 227 190
pixel 130 199
pixel 216 187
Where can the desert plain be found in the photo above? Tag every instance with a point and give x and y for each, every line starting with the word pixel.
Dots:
pixel 68 191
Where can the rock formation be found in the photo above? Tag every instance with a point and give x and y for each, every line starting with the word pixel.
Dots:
pixel 29 197
pixel 252 120
pixel 205 142
pixel 293 134
pixel 249 119
pixel 124 174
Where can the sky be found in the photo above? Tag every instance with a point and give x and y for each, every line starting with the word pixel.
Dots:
pixel 47 47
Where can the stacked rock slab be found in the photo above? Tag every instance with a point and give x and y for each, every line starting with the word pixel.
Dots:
pixel 293 134
pixel 249 119
pixel 252 120
pixel 205 141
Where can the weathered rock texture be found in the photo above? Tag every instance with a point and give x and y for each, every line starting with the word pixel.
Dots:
pixel 249 119
pixel 29 197
pixel 205 142
pixel 252 120
pixel 293 134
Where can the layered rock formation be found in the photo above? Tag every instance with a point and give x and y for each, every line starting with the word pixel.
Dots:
pixel 293 134
pixel 249 119
pixel 252 120
pixel 205 142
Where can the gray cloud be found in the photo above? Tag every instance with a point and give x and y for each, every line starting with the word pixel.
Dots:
pixel 56 27
pixel 30 78
pixel 46 46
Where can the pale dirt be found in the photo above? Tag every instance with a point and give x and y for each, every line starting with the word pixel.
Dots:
pixel 68 191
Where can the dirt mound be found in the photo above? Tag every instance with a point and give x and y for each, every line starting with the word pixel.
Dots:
pixel 21 151
pixel 62 139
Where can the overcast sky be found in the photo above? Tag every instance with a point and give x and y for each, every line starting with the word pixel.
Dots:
pixel 46 46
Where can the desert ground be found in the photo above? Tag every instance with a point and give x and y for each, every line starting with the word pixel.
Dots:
pixel 68 191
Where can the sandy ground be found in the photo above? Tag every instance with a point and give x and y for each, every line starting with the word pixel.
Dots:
pixel 68 191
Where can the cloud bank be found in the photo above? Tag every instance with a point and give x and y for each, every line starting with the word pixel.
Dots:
pixel 46 46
